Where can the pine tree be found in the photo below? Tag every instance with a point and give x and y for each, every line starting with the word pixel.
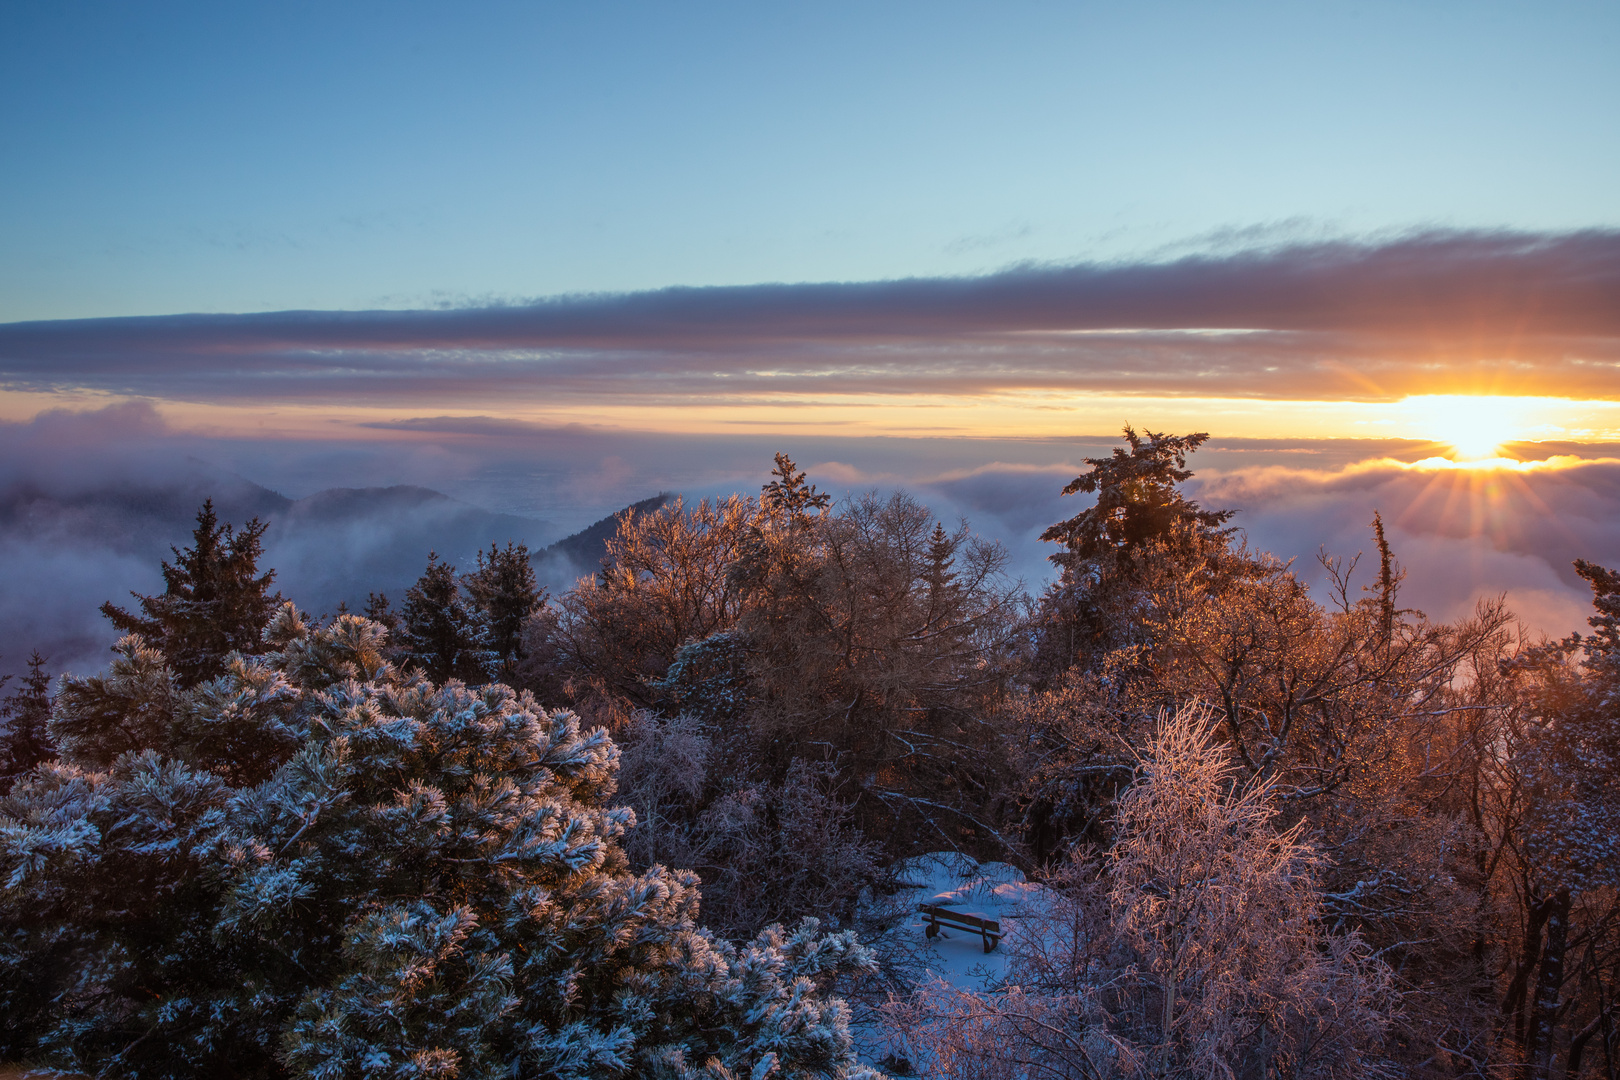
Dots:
pixel 1137 500
pixel 505 590
pixel 787 493
pixel 25 742
pixel 1390 576
pixel 781 551
pixel 1140 522
pixel 214 601
pixel 379 611
pixel 429 882
pixel 440 632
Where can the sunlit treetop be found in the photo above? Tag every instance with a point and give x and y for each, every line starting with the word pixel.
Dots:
pixel 1137 498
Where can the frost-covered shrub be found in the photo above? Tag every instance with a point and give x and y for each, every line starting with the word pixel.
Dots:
pixel 866 636
pixel 425 881
pixel 1195 948
pixel 767 852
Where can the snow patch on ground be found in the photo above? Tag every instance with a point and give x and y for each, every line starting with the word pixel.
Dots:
pixel 952 880
pixel 949 879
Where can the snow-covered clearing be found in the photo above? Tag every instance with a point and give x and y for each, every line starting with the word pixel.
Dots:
pixel 948 879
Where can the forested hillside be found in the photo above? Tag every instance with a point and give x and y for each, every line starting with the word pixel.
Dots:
pixel 661 823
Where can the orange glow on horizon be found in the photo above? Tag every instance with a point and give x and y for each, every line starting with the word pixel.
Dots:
pixel 1473 426
pixel 1484 464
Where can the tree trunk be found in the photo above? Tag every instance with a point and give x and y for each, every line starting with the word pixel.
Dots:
pixel 1577 1044
pixel 1544 1009
pixel 1513 1001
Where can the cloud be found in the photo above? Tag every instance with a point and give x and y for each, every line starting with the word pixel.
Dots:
pixel 50 600
pixel 70 453
pixel 1510 313
pixel 1463 534
pixel 90 502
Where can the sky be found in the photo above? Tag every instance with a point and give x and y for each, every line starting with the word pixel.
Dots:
pixel 164 158
pixel 552 258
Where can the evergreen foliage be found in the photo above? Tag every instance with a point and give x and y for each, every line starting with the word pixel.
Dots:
pixel 428 881
pixel 1140 524
pixel 24 741
pixel 214 602
pixel 379 611
pixel 788 496
pixel 505 590
pixel 1138 500
pixel 441 633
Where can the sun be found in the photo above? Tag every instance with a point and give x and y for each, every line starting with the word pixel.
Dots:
pixel 1473 426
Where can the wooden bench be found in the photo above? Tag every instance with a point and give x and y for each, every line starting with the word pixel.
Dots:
pixel 987 929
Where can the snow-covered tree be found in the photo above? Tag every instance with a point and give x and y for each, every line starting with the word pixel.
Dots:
pixel 665 583
pixel 767 851
pixel 427 882
pixel 843 665
pixel 1568 768
pixel 1140 521
pixel 505 590
pixel 1221 915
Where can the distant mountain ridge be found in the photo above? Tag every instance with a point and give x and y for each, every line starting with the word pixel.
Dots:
pixel 582 553
pixel 132 518
pixel 340 544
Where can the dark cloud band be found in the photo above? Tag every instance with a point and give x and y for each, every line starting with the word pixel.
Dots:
pixel 1481 312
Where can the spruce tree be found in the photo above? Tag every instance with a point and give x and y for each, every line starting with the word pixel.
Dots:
pixel 441 634
pixel 379 611
pixel 24 743
pixel 506 592
pixel 788 494
pixel 1138 501
pixel 1140 525
pixel 214 601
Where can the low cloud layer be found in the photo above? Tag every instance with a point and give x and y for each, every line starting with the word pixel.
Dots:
pixel 89 503
pixel 1463 534
pixel 1506 313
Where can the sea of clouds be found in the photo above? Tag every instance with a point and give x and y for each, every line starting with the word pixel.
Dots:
pixel 90 501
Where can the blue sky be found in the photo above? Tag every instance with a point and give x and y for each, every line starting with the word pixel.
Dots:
pixel 164 158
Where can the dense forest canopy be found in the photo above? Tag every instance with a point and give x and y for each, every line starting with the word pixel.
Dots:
pixel 647 827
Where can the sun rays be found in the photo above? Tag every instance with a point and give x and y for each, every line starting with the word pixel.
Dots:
pixel 1474 427
pixel 1487 496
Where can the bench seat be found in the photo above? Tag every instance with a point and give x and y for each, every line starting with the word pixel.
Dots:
pixel 989 930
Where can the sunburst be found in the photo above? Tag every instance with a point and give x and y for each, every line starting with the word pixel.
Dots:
pixel 1474 427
